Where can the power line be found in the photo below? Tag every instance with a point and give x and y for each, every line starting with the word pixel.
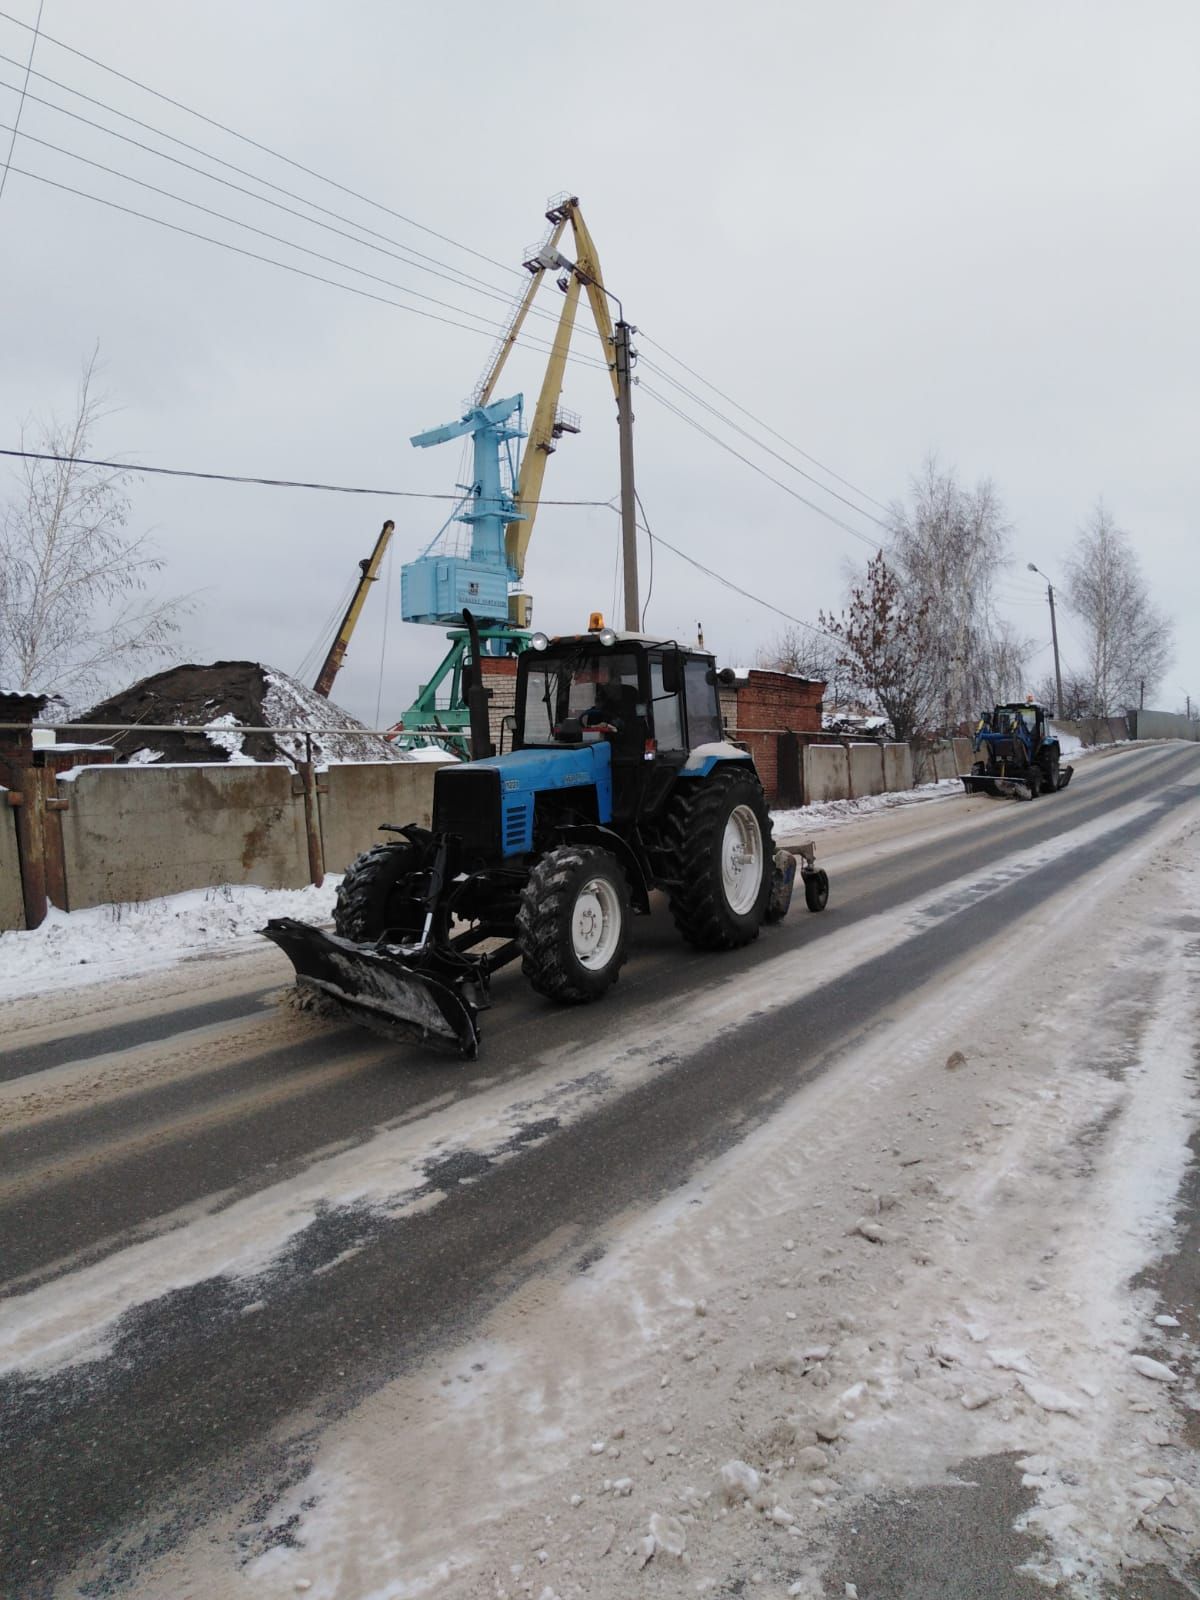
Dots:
pixel 269 483
pixel 754 467
pixel 266 149
pixel 728 583
pixel 766 425
pixel 263 233
pixel 12 143
pixel 488 332
pixel 410 256
pixel 746 434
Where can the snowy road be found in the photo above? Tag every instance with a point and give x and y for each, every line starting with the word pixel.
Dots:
pixel 286 1311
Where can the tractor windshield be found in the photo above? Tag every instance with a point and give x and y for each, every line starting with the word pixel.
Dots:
pixel 588 695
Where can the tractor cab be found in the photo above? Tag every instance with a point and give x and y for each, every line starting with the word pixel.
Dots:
pixel 648 701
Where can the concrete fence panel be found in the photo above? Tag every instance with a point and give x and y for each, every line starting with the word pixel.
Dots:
pixel 944 763
pixel 12 907
pixel 866 769
pixel 826 773
pixel 134 833
pixel 1164 725
pixel 354 799
pixel 963 756
pixel 897 767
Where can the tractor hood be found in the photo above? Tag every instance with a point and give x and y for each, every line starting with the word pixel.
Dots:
pixel 463 795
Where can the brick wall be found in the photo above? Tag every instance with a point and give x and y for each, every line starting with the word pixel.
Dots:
pixel 768 704
pixel 500 676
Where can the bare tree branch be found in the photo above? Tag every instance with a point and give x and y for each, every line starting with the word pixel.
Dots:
pixel 70 570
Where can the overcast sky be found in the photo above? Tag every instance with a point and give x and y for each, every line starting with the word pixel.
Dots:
pixel 883 228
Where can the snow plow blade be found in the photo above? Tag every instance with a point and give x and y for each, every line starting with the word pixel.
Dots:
pixel 1000 788
pixel 403 994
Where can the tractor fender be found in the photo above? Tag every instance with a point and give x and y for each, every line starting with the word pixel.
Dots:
pixel 705 757
pixel 605 839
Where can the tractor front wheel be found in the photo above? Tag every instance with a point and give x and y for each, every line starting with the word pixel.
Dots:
pixel 375 895
pixel 573 924
pixel 719 832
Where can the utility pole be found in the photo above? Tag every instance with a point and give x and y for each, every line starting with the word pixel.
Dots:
pixel 1058 710
pixel 1054 636
pixel 624 364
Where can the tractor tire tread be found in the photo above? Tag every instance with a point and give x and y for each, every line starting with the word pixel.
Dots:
pixel 696 901
pixel 540 923
pixel 360 909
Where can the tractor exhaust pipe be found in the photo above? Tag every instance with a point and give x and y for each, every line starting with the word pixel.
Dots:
pixel 477 696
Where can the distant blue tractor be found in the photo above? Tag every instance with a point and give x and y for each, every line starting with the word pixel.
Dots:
pixel 620 781
pixel 1016 754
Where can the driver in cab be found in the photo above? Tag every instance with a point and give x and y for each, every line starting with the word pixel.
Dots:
pixel 615 704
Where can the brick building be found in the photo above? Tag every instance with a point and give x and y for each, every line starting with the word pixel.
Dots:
pixel 760 707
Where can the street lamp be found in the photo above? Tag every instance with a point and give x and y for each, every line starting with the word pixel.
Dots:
pixel 1053 636
pixel 555 261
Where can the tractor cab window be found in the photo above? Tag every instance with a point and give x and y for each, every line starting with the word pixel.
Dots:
pixel 586 696
pixel 703 706
pixel 668 720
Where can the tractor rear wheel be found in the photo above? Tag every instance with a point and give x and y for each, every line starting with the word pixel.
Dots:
pixel 573 924
pixel 719 838
pixel 375 895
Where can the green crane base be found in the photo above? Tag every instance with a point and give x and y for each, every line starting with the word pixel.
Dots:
pixel 449 725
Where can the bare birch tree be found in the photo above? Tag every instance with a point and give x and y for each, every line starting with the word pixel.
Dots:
pixel 74 607
pixel 948 547
pixel 1129 639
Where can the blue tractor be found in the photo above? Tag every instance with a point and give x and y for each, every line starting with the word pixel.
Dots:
pixel 619 781
pixel 1016 754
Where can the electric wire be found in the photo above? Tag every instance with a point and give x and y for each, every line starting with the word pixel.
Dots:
pixel 264 148
pixel 774 432
pixel 481 285
pixel 263 233
pixel 728 583
pixel 406 253
pixel 650 542
pixel 754 467
pixel 488 332
pixel 12 143
pixel 457 244
pixel 269 483
pixel 746 434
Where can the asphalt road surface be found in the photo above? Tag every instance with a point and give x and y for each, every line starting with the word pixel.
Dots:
pixel 157 1117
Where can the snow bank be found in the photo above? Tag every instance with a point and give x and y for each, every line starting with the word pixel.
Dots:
pixel 103 942
pixel 811 819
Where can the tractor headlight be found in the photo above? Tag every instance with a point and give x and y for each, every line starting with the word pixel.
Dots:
pixel 607 637
pixel 539 641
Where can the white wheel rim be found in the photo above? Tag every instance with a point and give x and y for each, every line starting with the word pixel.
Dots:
pixel 595 924
pixel 741 860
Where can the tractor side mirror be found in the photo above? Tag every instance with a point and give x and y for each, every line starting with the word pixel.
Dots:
pixel 672 677
pixel 727 677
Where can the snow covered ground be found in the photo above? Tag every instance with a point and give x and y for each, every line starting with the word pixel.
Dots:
pixel 929 1254
pixel 112 941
